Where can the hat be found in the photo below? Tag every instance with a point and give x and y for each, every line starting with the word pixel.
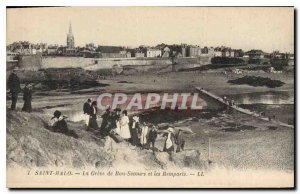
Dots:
pixel 170 129
pixel 136 118
pixel 28 85
pixel 57 114
pixel 117 109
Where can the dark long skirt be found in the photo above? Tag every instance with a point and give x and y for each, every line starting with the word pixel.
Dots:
pixel 170 149
pixel 93 124
pixel 27 106
pixel 134 137
pixel 180 146
pixel 14 98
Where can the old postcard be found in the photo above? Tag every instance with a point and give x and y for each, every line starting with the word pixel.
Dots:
pixel 150 97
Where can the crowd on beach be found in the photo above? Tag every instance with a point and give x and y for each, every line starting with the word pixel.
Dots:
pixel 115 122
pixel 117 125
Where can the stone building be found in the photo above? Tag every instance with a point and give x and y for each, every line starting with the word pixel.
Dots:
pixel 193 51
pixel 183 51
pixel 207 51
pixel 153 52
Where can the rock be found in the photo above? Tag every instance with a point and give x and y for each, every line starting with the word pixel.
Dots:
pixel 11 142
pixel 17 155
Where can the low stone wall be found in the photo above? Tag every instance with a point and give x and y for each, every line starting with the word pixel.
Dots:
pixel 204 60
pixel 99 63
pixel 30 62
pixel 35 62
pixel 133 69
pixel 63 62
pixel 109 63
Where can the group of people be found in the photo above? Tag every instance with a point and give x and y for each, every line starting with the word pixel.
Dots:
pixel 232 103
pixel 229 102
pixel 116 123
pixel 57 122
pixel 14 86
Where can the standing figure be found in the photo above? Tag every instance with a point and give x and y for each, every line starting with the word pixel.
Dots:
pixel 169 143
pixel 144 135
pixel 179 140
pixel 13 84
pixel 93 116
pixel 225 99
pixel 232 103
pixel 152 137
pixel 27 97
pixel 124 126
pixel 106 118
pixel 86 112
pixel 135 129
pixel 116 120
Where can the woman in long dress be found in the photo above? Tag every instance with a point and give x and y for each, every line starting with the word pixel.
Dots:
pixel 93 116
pixel 59 125
pixel 169 143
pixel 116 120
pixel 179 140
pixel 144 134
pixel 27 97
pixel 124 126
pixel 135 129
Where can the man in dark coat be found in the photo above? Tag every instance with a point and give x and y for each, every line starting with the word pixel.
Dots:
pixel 179 140
pixel 86 112
pixel 13 84
pixel 115 117
pixel 107 122
pixel 152 137
pixel 105 117
pixel 27 97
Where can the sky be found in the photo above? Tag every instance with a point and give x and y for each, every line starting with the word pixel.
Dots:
pixel 266 28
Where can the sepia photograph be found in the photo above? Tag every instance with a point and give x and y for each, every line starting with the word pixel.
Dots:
pixel 150 97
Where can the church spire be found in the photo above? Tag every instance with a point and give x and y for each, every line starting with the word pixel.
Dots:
pixel 70 38
pixel 70 28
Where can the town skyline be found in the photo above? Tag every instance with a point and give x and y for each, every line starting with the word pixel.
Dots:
pixel 112 33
